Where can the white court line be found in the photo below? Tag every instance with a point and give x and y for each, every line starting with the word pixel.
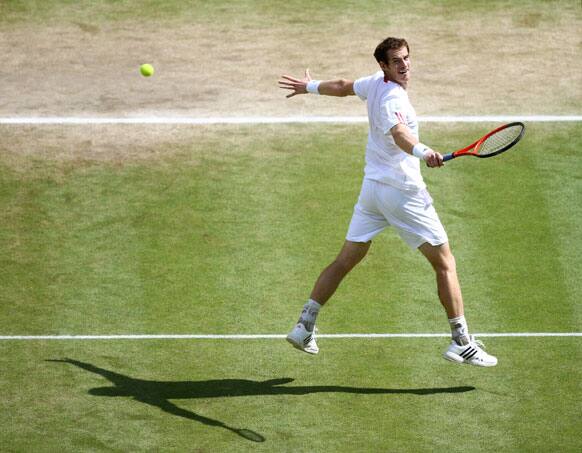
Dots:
pixel 26 121
pixel 273 336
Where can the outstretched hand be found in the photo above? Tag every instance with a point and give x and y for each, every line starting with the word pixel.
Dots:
pixel 298 86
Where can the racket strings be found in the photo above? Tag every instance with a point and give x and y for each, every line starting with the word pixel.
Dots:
pixel 500 140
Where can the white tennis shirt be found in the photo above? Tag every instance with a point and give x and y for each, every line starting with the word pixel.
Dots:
pixel 388 105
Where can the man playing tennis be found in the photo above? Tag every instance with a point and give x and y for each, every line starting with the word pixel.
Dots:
pixel 393 194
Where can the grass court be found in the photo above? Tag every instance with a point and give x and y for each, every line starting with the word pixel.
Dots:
pixel 117 229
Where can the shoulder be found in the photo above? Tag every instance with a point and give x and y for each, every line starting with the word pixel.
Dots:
pixel 363 84
pixel 369 78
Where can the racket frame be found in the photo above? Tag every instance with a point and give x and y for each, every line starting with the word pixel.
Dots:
pixel 472 149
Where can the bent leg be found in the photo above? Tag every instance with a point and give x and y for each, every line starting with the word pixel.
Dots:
pixel 449 289
pixel 463 348
pixel 302 336
pixel 327 283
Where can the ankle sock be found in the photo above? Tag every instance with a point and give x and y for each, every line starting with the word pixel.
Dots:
pixel 309 314
pixel 460 330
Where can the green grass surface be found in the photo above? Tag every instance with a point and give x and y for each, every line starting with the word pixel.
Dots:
pixel 226 234
pixel 227 229
pixel 264 12
pixel 224 230
pixel 365 395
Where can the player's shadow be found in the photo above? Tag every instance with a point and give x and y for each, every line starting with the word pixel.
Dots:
pixel 159 393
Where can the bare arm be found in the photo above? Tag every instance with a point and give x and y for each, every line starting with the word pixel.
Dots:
pixel 405 140
pixel 336 87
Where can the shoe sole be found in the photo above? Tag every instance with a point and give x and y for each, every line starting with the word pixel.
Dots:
pixel 298 345
pixel 455 358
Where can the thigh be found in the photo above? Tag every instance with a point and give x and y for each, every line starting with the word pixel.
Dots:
pixel 367 220
pixel 413 216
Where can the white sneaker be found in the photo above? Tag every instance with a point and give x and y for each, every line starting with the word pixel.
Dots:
pixel 472 353
pixel 302 339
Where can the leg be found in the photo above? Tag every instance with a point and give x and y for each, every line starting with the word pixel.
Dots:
pixel 302 336
pixel 350 255
pixel 463 348
pixel 365 224
pixel 449 290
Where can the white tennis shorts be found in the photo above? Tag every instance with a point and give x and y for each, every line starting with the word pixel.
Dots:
pixel 412 214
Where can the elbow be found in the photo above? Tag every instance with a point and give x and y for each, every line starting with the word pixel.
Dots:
pixel 345 87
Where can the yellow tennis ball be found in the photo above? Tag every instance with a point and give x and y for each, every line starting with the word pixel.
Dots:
pixel 146 70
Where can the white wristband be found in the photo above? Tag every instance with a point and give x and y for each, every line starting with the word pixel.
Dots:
pixel 419 150
pixel 313 86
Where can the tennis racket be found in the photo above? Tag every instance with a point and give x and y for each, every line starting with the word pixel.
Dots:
pixel 493 143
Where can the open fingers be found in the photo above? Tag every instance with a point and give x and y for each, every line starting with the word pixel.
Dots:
pixel 292 79
pixel 284 84
pixel 298 86
pixel 288 86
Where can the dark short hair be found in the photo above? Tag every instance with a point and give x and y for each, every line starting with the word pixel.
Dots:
pixel 381 52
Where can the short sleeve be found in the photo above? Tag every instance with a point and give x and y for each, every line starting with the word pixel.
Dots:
pixel 361 87
pixel 393 113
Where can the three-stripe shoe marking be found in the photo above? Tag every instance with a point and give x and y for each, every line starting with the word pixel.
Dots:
pixel 468 353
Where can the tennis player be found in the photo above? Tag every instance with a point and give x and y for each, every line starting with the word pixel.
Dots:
pixel 393 194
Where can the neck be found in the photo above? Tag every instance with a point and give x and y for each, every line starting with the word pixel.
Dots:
pixel 388 79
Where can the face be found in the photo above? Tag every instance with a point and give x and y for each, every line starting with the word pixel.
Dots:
pixel 398 67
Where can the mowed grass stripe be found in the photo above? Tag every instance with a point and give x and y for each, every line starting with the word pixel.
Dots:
pixel 219 220
pixel 237 224
pixel 226 233
pixel 121 392
pixel 505 247
pixel 504 236
pixel 556 160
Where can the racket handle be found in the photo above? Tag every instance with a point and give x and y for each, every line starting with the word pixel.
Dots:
pixel 448 157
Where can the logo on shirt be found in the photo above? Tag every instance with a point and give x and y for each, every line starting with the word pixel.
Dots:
pixel 401 117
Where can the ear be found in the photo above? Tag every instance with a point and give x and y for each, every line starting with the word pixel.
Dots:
pixel 383 66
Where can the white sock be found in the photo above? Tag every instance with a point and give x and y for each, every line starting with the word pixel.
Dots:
pixel 459 330
pixel 309 314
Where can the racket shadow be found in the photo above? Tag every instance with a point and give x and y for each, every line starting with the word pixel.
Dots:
pixel 159 393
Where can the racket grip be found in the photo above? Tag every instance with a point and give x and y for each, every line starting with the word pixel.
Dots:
pixel 448 157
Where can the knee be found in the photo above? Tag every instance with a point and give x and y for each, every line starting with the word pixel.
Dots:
pixel 445 263
pixel 348 261
pixel 345 263
pixel 350 255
